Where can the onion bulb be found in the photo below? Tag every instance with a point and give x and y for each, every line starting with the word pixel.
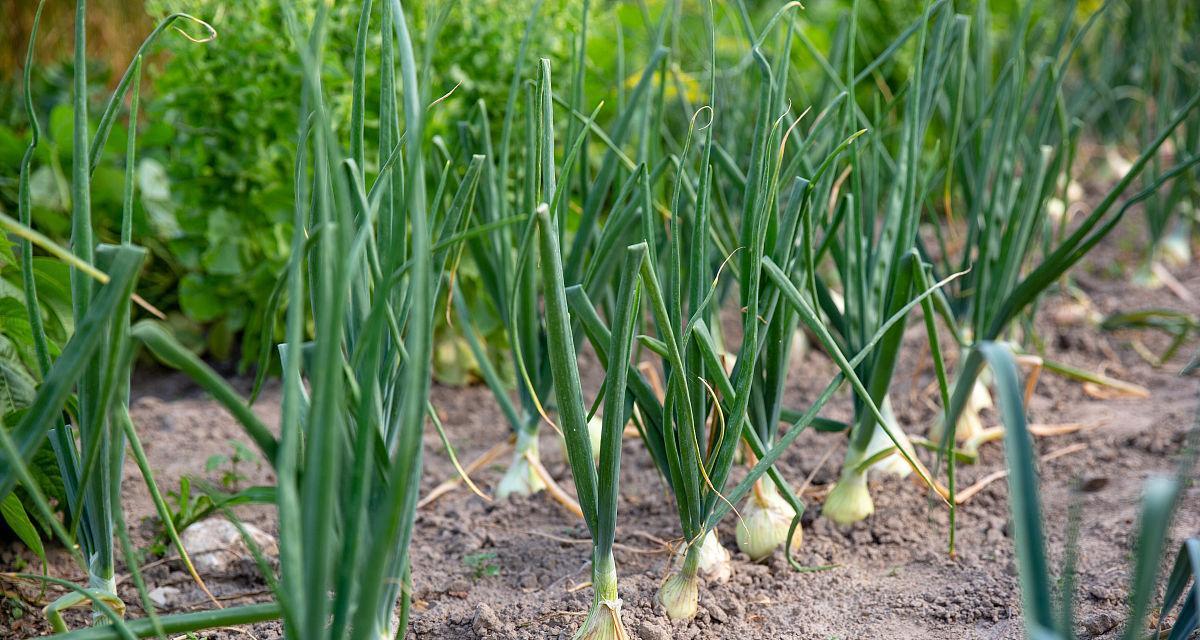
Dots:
pixel 595 435
pixel 765 522
pixel 970 424
pixel 1176 247
pixel 1117 164
pixel 1145 277
pixel 680 595
pixel 1074 191
pixel 1055 210
pixel 850 500
pixel 799 345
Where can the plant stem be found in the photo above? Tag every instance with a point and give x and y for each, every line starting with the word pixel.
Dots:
pixel 691 561
pixel 520 477
pixel 604 578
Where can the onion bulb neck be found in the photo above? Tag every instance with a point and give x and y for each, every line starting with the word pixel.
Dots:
pixel 713 560
pixel 1175 249
pixel 603 621
pixel 521 479
pixel 895 464
pixel 595 437
pixel 969 427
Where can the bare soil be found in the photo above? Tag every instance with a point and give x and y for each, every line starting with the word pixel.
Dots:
pixel 518 569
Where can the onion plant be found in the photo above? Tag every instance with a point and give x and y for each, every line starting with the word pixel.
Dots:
pixel 514 296
pixel 509 279
pixel 689 440
pixel 1168 56
pixel 766 519
pixel 544 354
pixel 691 437
pixel 1011 248
pixel 694 438
pixel 1018 141
pixel 82 403
pixel 693 431
pixel 351 441
pixel 596 487
pixel 870 236
pixel 365 270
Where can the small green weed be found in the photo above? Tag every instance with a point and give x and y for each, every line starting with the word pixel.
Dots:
pixel 232 477
pixel 483 564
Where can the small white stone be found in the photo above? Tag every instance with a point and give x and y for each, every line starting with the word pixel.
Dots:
pixel 160 595
pixel 214 545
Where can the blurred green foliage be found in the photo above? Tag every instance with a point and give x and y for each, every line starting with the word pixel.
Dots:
pixel 155 207
pixel 217 147
pixel 49 182
pixel 230 109
pixel 1140 66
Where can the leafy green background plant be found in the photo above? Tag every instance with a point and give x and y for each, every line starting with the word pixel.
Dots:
pixel 230 109
pixel 215 149
pixel 18 366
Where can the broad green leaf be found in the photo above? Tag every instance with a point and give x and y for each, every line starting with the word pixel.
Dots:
pixel 199 299
pixel 15 517
pixel 17 387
